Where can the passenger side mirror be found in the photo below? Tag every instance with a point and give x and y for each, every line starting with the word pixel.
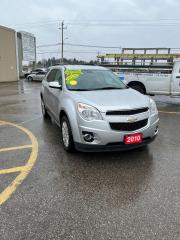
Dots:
pixel 55 85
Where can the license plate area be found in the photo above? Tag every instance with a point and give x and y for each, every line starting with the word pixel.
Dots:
pixel 133 138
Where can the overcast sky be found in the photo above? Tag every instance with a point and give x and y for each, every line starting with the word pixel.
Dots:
pixel 120 23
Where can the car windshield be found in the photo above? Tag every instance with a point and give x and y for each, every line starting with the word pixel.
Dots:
pixel 92 79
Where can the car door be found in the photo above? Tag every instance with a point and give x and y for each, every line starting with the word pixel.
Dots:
pixel 175 83
pixel 35 77
pixel 158 83
pixel 47 95
pixel 56 95
pixel 40 76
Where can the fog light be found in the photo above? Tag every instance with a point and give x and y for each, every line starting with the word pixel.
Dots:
pixel 88 136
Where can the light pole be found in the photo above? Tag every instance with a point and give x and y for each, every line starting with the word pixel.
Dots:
pixel 62 41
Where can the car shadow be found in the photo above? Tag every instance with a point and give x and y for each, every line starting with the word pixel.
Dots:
pixel 114 178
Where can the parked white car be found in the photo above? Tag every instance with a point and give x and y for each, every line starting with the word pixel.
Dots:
pixel 39 76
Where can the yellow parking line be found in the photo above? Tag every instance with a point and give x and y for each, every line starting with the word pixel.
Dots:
pixel 2 122
pixel 13 170
pixel 15 148
pixel 178 113
pixel 24 171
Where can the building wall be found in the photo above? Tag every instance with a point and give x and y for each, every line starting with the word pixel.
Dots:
pixel 8 56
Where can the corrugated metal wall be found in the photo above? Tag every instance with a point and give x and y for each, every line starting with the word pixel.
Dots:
pixel 8 59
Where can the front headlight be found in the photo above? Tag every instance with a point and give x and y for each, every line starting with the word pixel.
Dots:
pixel 153 107
pixel 88 112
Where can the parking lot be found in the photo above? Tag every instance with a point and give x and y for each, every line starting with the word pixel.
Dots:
pixel 46 193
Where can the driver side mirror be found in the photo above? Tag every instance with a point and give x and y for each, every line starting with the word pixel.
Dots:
pixel 55 85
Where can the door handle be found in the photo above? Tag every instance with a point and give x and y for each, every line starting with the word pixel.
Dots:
pixel 177 76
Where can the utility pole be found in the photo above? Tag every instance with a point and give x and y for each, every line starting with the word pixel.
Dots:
pixel 62 40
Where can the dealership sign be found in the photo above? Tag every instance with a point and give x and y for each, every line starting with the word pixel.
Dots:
pixel 28 46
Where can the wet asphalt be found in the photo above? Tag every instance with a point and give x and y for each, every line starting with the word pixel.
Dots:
pixel 119 195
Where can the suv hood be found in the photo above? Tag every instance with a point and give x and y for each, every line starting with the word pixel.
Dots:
pixel 105 100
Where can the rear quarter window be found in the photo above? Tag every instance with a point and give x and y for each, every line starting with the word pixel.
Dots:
pixel 51 76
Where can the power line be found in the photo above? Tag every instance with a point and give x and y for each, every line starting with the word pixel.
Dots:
pixel 92 46
pixel 132 25
pixel 81 51
pixel 77 45
pixel 67 52
pixel 153 24
pixel 49 45
pixel 108 22
pixel 37 22
pixel 98 20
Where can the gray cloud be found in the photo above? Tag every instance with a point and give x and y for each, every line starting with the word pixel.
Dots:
pixel 41 14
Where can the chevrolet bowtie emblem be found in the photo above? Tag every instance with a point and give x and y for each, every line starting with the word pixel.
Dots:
pixel 132 119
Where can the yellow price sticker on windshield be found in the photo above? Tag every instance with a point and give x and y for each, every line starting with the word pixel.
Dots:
pixel 73 82
pixel 72 76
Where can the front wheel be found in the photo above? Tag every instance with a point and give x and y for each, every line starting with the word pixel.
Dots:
pixel 66 134
pixel 44 111
pixel 30 78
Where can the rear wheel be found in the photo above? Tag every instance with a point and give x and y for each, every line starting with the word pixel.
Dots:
pixel 138 88
pixel 66 134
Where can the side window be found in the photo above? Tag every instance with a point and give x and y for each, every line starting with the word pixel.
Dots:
pixel 51 76
pixel 58 77
pixel 41 73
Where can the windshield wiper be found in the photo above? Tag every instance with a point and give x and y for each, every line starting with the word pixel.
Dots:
pixel 108 88
pixel 79 89
pixel 95 89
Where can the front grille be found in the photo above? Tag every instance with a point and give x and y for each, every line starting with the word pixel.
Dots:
pixel 128 112
pixel 125 126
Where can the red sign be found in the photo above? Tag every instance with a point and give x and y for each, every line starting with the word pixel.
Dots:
pixel 133 138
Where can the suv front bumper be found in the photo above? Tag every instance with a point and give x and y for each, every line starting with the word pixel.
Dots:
pixel 109 140
pixel 112 146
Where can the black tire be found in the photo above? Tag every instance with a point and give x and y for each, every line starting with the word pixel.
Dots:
pixel 139 88
pixel 26 75
pixel 69 145
pixel 30 78
pixel 44 110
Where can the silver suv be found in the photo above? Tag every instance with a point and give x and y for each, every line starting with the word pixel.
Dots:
pixel 96 111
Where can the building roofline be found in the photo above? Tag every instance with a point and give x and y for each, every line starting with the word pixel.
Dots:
pixel 7 28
